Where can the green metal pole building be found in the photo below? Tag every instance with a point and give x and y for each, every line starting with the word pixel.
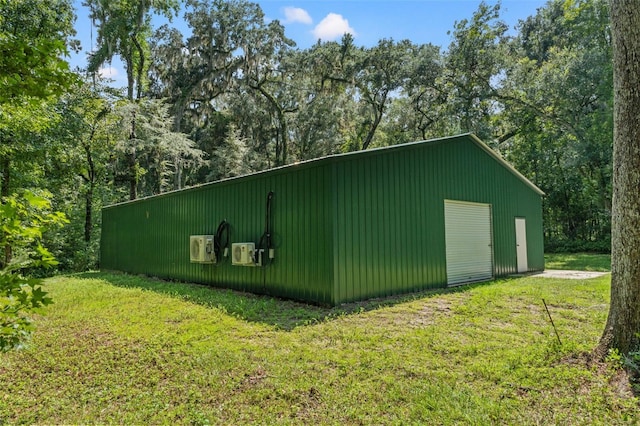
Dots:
pixel 341 228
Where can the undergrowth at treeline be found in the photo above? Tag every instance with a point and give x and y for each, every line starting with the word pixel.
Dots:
pixel 121 349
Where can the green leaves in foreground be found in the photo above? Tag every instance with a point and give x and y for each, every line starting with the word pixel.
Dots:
pixel 19 296
pixel 23 220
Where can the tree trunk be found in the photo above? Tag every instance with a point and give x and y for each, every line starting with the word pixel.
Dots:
pixel 4 192
pixel 133 161
pixel 623 323
pixel 6 176
pixel 88 213
pixel 133 180
pixel 378 112
pixel 177 184
pixel 372 129
pixel 282 136
pixel 140 65
pixel 90 179
pixel 128 61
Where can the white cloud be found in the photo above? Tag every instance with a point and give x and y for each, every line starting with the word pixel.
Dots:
pixel 333 26
pixel 108 72
pixel 296 14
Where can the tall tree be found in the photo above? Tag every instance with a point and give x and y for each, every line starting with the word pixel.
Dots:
pixel 322 81
pixel 195 72
pixel 164 158
pixel 556 122
pixel 622 330
pixel 34 38
pixel 473 66
pixel 383 70
pixel 35 35
pixel 123 30
pixel 232 56
pixel 232 158
pixel 85 143
pixel 420 111
pixel 80 149
pixel 267 74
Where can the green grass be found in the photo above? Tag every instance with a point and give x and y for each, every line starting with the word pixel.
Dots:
pixel 129 350
pixel 578 261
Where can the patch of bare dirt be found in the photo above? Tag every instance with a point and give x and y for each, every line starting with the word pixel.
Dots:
pixel 619 379
pixel 570 275
pixel 253 379
pixel 435 308
pixel 535 310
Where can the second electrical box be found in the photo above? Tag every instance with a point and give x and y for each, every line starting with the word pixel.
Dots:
pixel 242 254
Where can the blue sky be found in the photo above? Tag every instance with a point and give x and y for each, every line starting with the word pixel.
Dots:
pixel 306 21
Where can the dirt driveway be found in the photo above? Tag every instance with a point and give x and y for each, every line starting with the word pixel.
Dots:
pixel 571 275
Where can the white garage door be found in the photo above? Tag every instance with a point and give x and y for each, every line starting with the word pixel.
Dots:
pixel 468 241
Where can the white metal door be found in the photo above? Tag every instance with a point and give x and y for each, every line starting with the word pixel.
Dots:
pixel 521 244
pixel 468 240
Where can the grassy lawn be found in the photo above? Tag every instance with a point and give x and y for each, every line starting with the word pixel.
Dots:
pixel 120 349
pixel 578 261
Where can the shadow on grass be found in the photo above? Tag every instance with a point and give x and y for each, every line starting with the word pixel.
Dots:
pixel 283 314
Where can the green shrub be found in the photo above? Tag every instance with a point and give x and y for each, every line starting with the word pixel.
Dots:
pixel 577 246
pixel 632 362
pixel 23 219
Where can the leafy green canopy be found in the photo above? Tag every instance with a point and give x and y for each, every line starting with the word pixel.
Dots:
pixel 34 38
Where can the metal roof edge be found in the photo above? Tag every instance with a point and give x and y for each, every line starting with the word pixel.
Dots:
pixel 347 155
pixel 504 162
pixel 313 161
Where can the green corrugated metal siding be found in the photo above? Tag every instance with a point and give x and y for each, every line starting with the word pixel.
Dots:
pixel 385 241
pixel 346 227
pixel 389 227
pixel 151 236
